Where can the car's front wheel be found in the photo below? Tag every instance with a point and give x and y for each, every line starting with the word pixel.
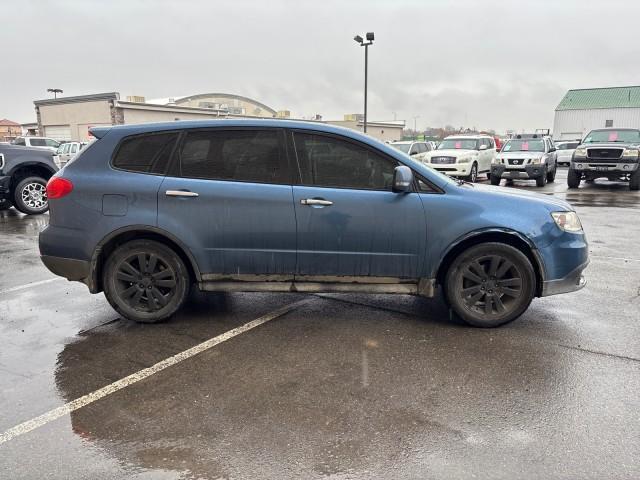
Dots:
pixel 145 281
pixel 490 284
pixel 494 179
pixel 551 176
pixel 541 181
pixel 573 178
pixel 634 180
pixel 30 196
pixel 473 174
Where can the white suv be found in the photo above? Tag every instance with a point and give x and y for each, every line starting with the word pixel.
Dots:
pixel 413 149
pixel 463 156
pixel 42 142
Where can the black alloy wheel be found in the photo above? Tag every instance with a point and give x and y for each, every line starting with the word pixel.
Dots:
pixel 490 284
pixel 145 281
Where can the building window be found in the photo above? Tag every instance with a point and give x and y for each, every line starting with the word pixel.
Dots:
pixel 608 123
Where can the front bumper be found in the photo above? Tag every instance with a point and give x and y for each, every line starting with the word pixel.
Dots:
pixel 587 165
pixel 453 169
pixel 524 172
pixel 570 283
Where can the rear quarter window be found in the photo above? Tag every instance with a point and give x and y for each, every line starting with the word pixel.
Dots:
pixel 149 153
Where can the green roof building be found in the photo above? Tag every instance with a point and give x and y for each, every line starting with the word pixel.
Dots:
pixel 580 111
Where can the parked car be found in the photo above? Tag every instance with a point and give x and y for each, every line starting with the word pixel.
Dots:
pixel 413 149
pixel 565 151
pixel 66 151
pixel 24 172
pixel 40 142
pixel 464 156
pixel 145 211
pixel 611 153
pixel 526 158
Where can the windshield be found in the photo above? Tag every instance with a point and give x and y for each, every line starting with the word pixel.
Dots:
pixel 403 147
pixel 458 144
pixel 567 145
pixel 524 145
pixel 622 136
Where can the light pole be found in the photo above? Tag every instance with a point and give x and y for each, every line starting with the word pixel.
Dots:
pixel 415 130
pixel 364 44
pixel 55 91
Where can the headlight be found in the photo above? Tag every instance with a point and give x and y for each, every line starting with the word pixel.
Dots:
pixel 464 159
pixel 630 154
pixel 536 161
pixel 567 221
pixel 580 152
pixel 495 161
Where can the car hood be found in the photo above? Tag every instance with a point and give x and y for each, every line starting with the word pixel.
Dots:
pixel 553 204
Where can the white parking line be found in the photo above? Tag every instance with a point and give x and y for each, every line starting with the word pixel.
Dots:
pixel 29 285
pixel 85 400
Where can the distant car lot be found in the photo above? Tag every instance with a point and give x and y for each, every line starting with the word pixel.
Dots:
pixel 349 385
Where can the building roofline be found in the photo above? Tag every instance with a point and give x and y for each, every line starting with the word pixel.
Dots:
pixel 601 88
pixel 224 95
pixel 78 99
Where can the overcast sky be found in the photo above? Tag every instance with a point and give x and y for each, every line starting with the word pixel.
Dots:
pixel 489 64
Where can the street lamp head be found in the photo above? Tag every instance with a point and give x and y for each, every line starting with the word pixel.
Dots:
pixel 358 39
pixel 370 36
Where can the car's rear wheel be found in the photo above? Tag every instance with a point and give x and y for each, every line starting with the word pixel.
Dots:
pixel 473 174
pixel 634 180
pixel 573 178
pixel 30 196
pixel 490 284
pixel 145 281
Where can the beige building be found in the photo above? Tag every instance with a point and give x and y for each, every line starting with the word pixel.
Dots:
pixel 70 118
pixel 9 130
pixel 387 131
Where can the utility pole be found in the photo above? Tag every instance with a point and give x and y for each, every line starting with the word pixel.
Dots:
pixel 366 44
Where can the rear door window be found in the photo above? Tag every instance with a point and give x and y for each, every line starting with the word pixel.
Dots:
pixel 38 142
pixel 149 153
pixel 331 162
pixel 256 156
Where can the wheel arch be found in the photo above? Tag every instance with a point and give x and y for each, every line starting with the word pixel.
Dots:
pixel 28 169
pixel 499 235
pixel 138 232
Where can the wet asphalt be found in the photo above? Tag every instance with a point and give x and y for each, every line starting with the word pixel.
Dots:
pixel 344 386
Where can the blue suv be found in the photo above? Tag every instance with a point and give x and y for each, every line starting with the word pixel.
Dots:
pixel 145 211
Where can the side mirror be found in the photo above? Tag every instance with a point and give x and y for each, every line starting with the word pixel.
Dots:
pixel 402 179
pixel 482 147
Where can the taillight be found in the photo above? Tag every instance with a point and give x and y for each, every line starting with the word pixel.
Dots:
pixel 58 187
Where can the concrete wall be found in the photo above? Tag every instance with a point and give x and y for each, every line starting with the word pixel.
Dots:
pixel 570 124
pixel 385 133
pixel 136 115
pixel 78 116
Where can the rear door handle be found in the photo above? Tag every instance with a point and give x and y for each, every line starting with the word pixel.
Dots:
pixel 180 193
pixel 316 201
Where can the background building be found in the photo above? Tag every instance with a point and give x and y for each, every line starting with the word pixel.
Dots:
pixel 9 130
pixel 70 118
pixel 387 131
pixel 583 110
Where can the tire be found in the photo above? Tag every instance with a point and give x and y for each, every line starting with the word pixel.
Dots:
pixel 634 180
pixel 551 176
pixel 489 175
pixel 149 293
pixel 541 181
pixel 483 299
pixel 495 180
pixel 30 196
pixel 573 178
pixel 5 206
pixel 473 174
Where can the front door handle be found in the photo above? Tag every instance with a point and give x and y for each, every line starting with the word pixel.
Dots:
pixel 180 193
pixel 316 201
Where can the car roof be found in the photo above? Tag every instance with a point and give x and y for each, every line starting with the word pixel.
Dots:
pixel 405 142
pixel 124 130
pixel 467 137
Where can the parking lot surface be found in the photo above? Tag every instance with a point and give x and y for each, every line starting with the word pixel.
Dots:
pixel 337 386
